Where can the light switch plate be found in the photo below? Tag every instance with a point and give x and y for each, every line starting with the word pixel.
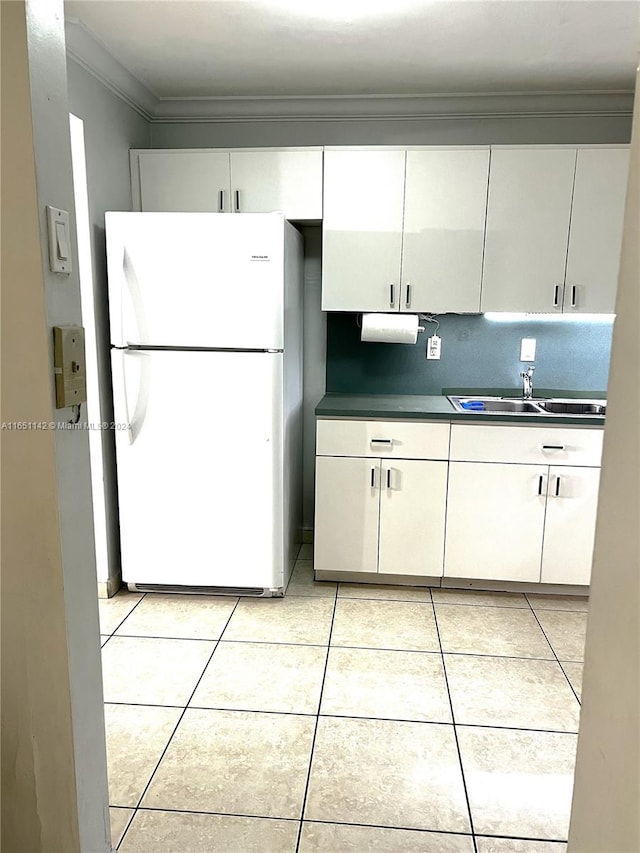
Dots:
pixel 59 240
pixel 528 349
pixel 69 366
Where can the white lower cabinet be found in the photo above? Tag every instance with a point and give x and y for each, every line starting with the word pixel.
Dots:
pixel 412 512
pixel 373 515
pixel 347 514
pixel 493 503
pixel 521 502
pixel 495 521
pixel 376 512
pixel 570 524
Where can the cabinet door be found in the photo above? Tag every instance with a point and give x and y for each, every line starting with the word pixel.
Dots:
pixel 191 181
pixel 444 219
pixel 347 513
pixel 596 230
pixel 413 496
pixel 570 525
pixel 291 181
pixel 495 518
pixel 528 214
pixel 362 230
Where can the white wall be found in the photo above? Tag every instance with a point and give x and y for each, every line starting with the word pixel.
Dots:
pixel 111 128
pixel 606 804
pixel 54 649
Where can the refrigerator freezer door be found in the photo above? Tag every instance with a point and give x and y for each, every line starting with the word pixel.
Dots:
pixel 200 467
pixel 211 280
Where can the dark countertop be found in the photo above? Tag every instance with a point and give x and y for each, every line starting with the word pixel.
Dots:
pixel 428 408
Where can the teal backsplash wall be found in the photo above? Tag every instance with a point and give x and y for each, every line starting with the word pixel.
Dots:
pixel 477 352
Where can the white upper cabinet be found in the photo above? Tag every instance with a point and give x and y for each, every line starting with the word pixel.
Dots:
pixel 444 220
pixel 184 181
pixel 290 181
pixel 243 180
pixel 528 214
pixel 362 229
pixel 596 230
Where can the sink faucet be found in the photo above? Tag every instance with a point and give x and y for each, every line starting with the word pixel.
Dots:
pixel 527 382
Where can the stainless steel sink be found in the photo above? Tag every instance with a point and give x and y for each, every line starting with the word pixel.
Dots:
pixel 499 405
pixel 574 407
pixel 493 405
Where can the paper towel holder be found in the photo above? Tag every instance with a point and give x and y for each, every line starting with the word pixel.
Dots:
pixel 359 319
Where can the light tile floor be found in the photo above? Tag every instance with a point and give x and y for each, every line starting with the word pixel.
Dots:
pixel 342 718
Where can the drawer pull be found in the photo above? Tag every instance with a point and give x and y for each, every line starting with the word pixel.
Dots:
pixel 553 446
pixel 388 441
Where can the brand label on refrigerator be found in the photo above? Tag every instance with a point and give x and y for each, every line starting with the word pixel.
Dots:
pixel 260 258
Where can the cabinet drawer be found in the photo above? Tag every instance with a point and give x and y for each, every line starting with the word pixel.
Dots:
pixel 548 445
pixel 398 439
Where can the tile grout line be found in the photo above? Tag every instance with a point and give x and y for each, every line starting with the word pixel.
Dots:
pixel 455 734
pixel 175 729
pixel 315 731
pixel 122 621
pixel 557 659
pixel 350 823
pixel 341 717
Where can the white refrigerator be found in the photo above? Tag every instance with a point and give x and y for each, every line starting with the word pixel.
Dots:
pixel 206 334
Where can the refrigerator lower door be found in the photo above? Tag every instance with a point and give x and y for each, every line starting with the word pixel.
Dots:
pixel 199 456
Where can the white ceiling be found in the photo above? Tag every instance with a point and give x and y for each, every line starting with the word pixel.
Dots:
pixel 243 48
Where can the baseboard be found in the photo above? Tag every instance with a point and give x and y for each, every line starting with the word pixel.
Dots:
pixel 375 578
pixel 450 583
pixel 514 586
pixel 107 589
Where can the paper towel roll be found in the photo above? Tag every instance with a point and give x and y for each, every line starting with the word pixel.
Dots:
pixel 390 328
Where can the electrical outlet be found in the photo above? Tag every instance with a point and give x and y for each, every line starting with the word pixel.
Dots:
pixel 528 349
pixel 433 347
pixel 69 365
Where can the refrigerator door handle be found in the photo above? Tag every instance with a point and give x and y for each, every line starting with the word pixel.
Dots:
pixel 135 423
pixel 135 294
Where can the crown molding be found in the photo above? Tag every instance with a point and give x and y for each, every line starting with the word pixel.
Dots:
pixel 393 107
pixel 89 52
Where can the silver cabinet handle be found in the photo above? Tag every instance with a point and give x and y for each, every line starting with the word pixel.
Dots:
pixel 557 487
pixel 556 295
pixel 574 297
pixel 221 201
pixel 540 484
pixel 381 441
pixel 392 295
pixel 408 299
pixel 373 478
pixel 553 446
pixel 237 195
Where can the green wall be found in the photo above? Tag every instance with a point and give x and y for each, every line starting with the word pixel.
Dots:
pixel 477 352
